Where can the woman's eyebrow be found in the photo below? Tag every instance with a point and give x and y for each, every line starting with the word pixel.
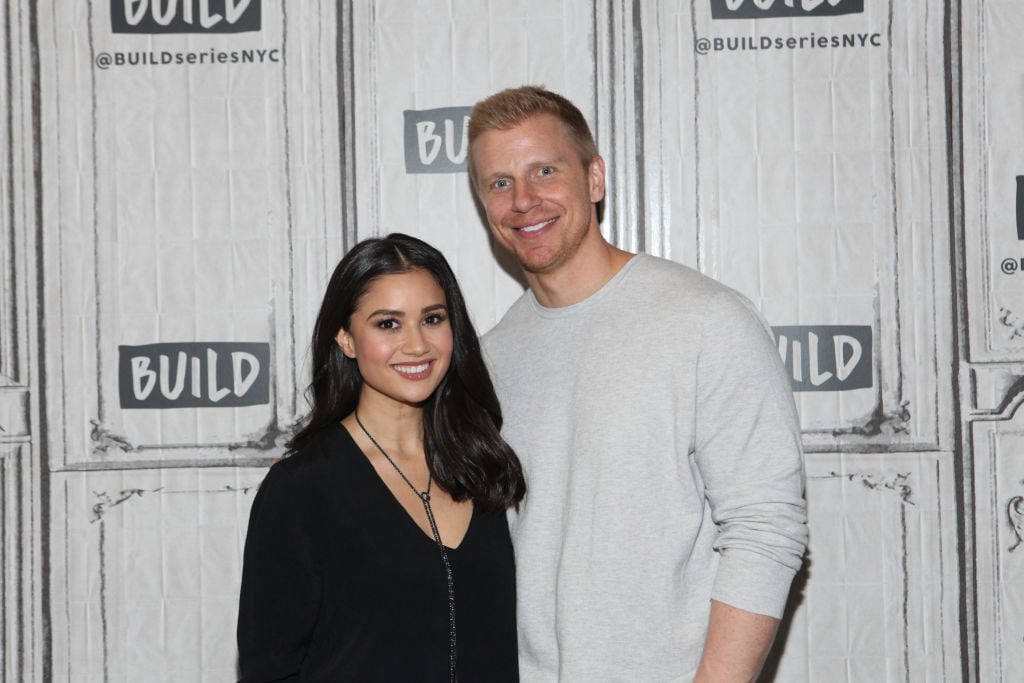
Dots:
pixel 386 311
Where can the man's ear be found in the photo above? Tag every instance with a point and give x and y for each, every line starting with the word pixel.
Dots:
pixel 344 340
pixel 595 173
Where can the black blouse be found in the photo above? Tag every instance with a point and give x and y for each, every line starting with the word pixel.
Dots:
pixel 340 584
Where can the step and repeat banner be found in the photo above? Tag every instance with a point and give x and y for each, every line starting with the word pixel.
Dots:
pixel 853 166
pixel 191 200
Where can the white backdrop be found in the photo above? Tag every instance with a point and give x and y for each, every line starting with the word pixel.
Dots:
pixel 178 179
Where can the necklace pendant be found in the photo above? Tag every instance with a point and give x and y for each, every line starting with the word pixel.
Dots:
pixel 425 495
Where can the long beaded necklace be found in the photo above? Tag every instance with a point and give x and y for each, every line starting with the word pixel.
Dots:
pixel 425 497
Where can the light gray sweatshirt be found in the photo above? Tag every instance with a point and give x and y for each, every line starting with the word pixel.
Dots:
pixel 656 426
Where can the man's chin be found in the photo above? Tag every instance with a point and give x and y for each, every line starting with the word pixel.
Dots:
pixel 539 259
pixel 536 267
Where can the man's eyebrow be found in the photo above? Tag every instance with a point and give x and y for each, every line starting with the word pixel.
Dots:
pixel 491 177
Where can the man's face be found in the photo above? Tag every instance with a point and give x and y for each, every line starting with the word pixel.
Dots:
pixel 538 195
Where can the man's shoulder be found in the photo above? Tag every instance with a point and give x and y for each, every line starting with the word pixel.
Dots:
pixel 686 293
pixel 513 317
pixel 662 276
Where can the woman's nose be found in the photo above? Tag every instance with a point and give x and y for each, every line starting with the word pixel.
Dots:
pixel 415 342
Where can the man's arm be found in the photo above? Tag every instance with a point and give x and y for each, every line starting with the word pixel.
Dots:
pixel 737 644
pixel 749 454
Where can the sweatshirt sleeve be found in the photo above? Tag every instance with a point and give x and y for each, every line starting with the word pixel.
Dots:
pixel 281 582
pixel 748 451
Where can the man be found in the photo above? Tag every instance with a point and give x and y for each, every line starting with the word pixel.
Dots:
pixel 665 518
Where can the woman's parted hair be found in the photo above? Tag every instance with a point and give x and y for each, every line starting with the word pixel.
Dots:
pixel 509 108
pixel 462 418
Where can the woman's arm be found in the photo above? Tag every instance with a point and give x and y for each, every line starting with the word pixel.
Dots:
pixel 281 586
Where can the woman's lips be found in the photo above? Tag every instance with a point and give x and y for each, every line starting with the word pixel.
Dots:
pixel 414 370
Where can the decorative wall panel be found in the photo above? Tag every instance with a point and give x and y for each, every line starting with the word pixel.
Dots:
pixel 179 179
pixel 21 617
pixel 802 161
pixel 990 178
pixel 414 59
pixel 876 600
pixel 22 558
pixel 993 168
pixel 146 565
pixel 998 449
pixel 191 205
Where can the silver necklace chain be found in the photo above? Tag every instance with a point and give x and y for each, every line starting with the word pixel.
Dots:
pixel 425 497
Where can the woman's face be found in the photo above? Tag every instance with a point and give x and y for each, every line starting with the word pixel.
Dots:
pixel 400 337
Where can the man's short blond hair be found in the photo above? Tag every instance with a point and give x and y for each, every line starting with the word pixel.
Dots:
pixel 511 107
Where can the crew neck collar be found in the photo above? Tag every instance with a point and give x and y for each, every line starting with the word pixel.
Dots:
pixel 562 311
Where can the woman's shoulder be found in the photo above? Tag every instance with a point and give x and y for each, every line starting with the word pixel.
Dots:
pixel 325 453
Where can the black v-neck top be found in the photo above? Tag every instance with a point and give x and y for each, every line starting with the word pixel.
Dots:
pixel 340 584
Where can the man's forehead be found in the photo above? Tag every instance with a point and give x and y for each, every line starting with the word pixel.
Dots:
pixel 514 145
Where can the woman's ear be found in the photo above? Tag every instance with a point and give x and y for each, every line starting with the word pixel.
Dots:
pixel 344 340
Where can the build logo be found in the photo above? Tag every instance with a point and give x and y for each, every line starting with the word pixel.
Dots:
pixel 194 375
pixel 757 9
pixel 184 16
pixel 1020 207
pixel 435 140
pixel 826 357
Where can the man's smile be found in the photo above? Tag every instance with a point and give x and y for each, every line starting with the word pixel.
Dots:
pixel 536 226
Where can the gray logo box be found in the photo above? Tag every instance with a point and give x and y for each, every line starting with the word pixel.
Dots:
pixel 1020 207
pixel 826 357
pixel 187 16
pixel 194 375
pixel 435 140
pixel 747 9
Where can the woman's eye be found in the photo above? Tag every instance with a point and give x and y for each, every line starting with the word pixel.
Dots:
pixel 434 319
pixel 387 324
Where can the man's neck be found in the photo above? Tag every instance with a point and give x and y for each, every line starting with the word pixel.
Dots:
pixel 588 271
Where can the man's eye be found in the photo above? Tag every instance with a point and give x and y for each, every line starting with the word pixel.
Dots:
pixel 500 184
pixel 547 170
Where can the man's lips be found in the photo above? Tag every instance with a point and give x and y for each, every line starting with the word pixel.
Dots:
pixel 414 370
pixel 535 227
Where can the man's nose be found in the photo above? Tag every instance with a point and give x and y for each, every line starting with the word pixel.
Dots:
pixel 523 197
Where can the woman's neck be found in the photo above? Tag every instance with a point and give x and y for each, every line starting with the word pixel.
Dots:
pixel 394 424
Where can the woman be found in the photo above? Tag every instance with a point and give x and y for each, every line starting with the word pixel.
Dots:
pixel 378 548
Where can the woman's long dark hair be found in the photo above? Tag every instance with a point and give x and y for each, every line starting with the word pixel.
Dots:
pixel 461 419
